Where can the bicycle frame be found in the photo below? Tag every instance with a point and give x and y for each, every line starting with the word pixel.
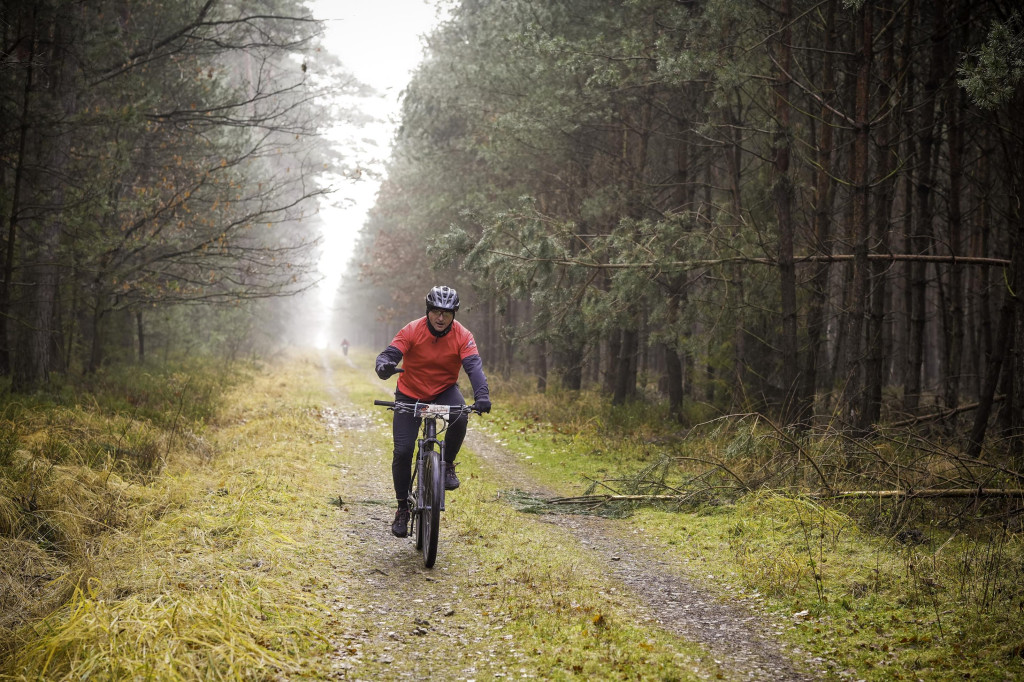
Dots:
pixel 426 487
pixel 425 411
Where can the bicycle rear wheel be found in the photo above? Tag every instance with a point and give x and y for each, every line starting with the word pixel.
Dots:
pixel 430 516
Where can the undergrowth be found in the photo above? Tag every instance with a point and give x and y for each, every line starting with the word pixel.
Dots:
pixel 886 587
pixel 76 464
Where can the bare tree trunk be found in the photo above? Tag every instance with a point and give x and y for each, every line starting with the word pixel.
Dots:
pixel 625 375
pixel 612 353
pixel 734 161
pixel 822 220
pixel 903 324
pixel 1015 397
pixel 142 336
pixel 674 373
pixel 571 364
pixel 783 195
pixel 15 208
pixel 982 317
pixel 35 369
pixel 505 341
pixel 923 191
pixel 96 349
pixel 995 365
pixel 955 329
pixel 857 387
pixel 540 365
pixel 874 374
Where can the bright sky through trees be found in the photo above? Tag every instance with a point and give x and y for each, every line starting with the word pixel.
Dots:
pixel 380 43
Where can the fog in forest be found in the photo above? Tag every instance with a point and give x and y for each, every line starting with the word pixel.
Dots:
pixel 806 210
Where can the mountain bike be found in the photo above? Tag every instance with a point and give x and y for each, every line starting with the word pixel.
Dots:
pixel 426 489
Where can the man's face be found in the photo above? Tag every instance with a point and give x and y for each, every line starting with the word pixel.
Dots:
pixel 439 319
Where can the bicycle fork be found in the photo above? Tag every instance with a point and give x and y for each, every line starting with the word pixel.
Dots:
pixel 422 444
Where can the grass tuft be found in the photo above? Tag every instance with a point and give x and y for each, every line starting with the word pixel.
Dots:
pixel 76 466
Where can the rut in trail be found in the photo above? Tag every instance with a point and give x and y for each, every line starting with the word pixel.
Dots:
pixel 737 637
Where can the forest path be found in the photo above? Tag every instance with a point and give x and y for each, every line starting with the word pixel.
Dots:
pixel 400 620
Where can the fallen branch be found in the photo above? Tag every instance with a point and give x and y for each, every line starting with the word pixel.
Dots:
pixel 742 483
pixel 850 494
pixel 600 499
pixel 933 493
pixel 939 416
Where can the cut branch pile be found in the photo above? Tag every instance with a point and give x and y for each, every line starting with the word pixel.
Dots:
pixel 753 453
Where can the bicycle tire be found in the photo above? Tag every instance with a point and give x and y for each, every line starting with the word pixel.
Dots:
pixel 430 519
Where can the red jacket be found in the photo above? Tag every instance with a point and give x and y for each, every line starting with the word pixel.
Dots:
pixel 431 363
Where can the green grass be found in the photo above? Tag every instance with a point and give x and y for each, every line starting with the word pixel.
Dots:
pixel 948 604
pixel 556 601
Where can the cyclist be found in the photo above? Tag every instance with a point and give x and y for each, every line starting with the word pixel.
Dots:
pixel 434 348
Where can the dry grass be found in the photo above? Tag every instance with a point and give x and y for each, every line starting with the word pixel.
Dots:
pixel 201 590
pixel 80 477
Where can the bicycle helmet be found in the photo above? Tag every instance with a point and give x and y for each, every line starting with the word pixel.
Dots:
pixel 443 297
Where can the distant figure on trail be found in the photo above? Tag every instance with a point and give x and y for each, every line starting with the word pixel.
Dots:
pixel 434 348
pixel 344 346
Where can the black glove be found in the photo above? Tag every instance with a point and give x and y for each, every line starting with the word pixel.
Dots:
pixel 385 369
pixel 482 406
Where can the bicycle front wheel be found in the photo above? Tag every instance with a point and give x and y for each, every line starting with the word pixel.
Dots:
pixel 430 519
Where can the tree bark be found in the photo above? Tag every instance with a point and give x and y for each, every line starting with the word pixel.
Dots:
pixel 782 193
pixel 141 331
pixel 857 389
pixel 924 210
pixel 612 353
pixel 540 365
pixel 822 217
pixel 995 365
pixel 24 126
pixel 955 309
pixel 875 369
pixel 625 374
pixel 39 344
pixel 674 373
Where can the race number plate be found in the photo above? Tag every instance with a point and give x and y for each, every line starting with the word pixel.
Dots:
pixel 434 411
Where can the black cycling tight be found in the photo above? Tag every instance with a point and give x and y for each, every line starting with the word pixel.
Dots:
pixel 405 429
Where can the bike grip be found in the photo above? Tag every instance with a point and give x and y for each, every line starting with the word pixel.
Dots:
pixel 384 403
pixel 398 370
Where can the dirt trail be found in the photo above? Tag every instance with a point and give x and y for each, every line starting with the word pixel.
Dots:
pixel 739 639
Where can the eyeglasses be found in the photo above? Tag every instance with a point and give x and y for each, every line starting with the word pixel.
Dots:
pixel 443 313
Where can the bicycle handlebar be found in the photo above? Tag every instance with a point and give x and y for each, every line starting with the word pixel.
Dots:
pixel 411 406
